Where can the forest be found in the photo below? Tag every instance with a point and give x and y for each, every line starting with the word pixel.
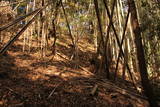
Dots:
pixel 79 53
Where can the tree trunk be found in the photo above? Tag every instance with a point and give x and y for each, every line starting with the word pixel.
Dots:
pixel 140 55
pixel 104 58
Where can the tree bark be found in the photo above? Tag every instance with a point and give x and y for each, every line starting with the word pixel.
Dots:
pixel 140 55
pixel 105 62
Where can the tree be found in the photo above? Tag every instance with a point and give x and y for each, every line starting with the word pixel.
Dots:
pixel 140 55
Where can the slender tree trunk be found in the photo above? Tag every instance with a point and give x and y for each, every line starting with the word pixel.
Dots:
pixel 140 55
pixel 132 45
pixel 102 38
pixel 68 24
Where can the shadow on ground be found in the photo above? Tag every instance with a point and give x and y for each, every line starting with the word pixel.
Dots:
pixel 23 86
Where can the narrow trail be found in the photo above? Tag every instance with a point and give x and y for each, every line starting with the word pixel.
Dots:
pixel 27 80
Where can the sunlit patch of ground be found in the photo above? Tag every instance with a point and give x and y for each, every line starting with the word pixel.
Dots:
pixel 30 80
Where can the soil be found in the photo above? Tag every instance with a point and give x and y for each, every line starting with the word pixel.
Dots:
pixel 29 80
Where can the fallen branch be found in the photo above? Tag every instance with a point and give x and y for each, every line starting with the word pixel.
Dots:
pixel 16 93
pixel 63 57
pixel 95 88
pixel 121 90
pixel 86 70
pixel 54 90
pixel 82 68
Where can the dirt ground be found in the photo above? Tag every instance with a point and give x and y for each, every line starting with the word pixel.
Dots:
pixel 27 80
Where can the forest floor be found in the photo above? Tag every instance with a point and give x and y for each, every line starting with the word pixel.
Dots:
pixel 27 80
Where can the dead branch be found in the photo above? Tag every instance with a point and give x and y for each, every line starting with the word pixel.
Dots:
pixel 105 83
pixel 54 90
pixel 4 49
pixel 18 34
pixel 13 3
pixel 95 88
pixel 15 93
pixel 84 69
pixel 17 20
